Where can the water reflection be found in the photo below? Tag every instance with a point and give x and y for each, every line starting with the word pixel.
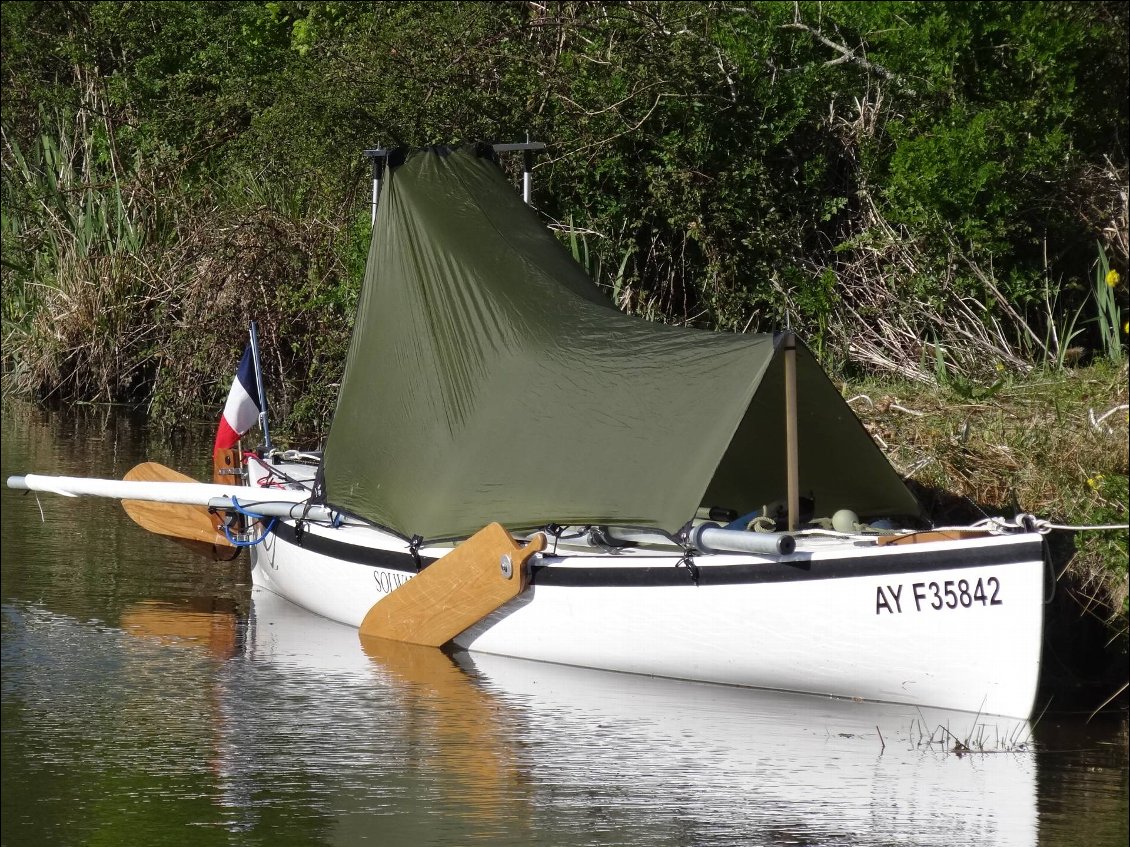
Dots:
pixel 498 749
pixel 733 764
pixel 153 697
pixel 471 735
pixel 707 763
pixel 209 623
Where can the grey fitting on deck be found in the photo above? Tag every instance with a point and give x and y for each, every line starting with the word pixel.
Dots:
pixel 712 538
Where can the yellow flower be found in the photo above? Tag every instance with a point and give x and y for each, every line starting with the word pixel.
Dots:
pixel 1112 278
pixel 1095 481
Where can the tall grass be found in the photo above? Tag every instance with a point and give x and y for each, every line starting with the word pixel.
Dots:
pixel 593 265
pixel 75 246
pixel 1053 444
pixel 120 288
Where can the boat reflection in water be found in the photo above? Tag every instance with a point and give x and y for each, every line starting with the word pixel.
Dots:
pixel 205 623
pixel 386 739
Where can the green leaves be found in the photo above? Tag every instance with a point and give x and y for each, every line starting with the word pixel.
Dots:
pixel 880 173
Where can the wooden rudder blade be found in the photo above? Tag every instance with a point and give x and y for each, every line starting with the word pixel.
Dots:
pixel 193 524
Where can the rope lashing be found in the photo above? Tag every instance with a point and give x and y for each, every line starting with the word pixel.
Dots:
pixel 1030 523
pixel 238 509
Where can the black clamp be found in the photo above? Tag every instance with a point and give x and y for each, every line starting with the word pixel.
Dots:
pixel 414 549
pixel 688 562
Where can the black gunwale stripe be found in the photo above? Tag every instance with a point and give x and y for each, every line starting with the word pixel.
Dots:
pixel 356 553
pixel 616 576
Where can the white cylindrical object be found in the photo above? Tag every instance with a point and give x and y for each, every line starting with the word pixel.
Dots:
pixel 188 493
pixel 269 502
pixel 276 509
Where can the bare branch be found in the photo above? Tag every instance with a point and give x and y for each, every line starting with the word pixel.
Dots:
pixel 846 53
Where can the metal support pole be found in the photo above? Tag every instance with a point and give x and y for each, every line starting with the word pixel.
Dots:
pixel 376 157
pixel 527 175
pixel 259 386
pixel 528 148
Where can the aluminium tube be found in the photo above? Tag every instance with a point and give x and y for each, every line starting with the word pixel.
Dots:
pixel 376 157
pixel 269 502
pixel 712 538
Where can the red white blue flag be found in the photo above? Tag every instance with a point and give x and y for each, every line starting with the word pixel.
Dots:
pixel 242 409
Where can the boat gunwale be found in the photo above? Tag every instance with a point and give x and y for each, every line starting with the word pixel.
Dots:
pixel 676 569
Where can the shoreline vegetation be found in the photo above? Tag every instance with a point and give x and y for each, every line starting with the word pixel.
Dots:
pixel 934 196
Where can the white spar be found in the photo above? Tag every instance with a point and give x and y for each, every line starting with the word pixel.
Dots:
pixel 273 502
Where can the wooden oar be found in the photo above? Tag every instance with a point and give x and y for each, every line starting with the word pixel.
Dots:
pixel 456 591
pixel 171 504
pixel 192 524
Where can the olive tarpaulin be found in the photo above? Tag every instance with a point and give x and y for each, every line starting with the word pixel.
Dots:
pixel 489 379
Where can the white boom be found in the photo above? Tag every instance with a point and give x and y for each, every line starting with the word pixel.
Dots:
pixel 274 502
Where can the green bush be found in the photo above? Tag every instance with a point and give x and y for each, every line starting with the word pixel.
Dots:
pixel 890 178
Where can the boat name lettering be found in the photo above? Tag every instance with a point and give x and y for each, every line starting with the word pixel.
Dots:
pixel 950 594
pixel 388 582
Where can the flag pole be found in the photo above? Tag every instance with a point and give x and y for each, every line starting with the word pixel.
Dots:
pixel 259 387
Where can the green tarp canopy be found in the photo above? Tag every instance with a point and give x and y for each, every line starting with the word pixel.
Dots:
pixel 489 379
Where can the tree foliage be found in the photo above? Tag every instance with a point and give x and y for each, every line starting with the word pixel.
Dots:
pixel 915 186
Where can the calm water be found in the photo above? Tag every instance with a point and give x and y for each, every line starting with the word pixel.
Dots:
pixel 153 697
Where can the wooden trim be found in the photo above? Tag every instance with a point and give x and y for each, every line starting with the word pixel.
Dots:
pixel 933 535
pixel 792 453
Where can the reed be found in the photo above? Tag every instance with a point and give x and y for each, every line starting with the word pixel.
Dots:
pixel 593 263
pixel 983 737
pixel 123 286
pixel 76 243
pixel 1109 315
pixel 894 309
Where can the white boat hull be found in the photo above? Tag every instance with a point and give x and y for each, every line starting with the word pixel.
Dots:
pixel 953 624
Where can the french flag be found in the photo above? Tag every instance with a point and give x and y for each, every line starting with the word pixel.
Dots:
pixel 242 409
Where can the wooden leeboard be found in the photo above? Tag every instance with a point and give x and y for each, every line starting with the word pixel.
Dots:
pixel 454 592
pixel 226 467
pixel 175 520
